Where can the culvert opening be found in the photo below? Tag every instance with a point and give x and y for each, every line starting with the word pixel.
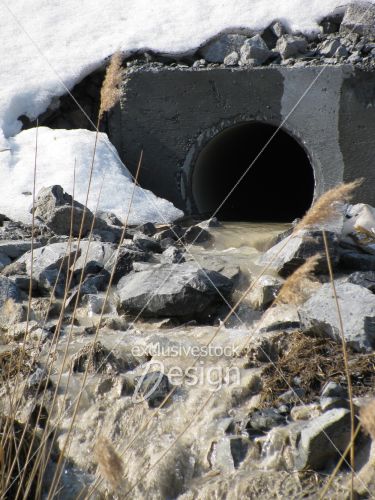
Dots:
pixel 279 187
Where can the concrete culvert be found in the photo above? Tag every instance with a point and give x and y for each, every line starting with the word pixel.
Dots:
pixel 278 187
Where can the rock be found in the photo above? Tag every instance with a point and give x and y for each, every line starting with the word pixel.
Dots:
pixel 229 452
pixel 167 242
pixel 305 412
pixel 217 50
pixel 281 317
pixel 37 382
pixel 124 263
pixel 8 290
pixel 272 33
pixel 23 282
pixel 149 229
pixel 11 313
pixel 177 290
pixel 95 303
pixel 96 358
pixel 146 243
pixel 18 330
pixel 254 51
pixel 292 396
pixel 333 390
pixel 54 208
pixel 264 292
pixel 331 23
pixel 291 46
pixel 173 255
pixel 153 387
pixel 357 261
pixel 264 420
pixel 327 404
pixel 287 255
pixel 365 279
pixel 359 18
pixel 322 440
pixel 4 261
pixel 319 315
pixel 232 59
pixel 333 48
pixel 109 218
pixel 47 262
pixel 94 256
pixel 196 235
pixel 15 248
pixel 210 223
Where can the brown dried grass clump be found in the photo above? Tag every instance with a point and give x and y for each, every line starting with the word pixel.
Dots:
pixel 367 416
pixel 328 206
pixel 300 284
pixel 314 361
pixel 110 92
pixel 109 462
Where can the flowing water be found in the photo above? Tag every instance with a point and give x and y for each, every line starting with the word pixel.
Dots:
pixel 198 420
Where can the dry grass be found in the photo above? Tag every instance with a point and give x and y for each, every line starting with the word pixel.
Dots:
pixel 300 284
pixel 314 361
pixel 329 205
pixel 111 91
pixel 110 464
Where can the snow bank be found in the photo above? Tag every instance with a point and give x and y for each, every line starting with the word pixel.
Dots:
pixel 74 37
pixel 57 151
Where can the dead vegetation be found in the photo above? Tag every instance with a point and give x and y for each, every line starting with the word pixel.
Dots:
pixel 312 361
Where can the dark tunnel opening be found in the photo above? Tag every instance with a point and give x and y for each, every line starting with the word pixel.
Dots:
pixel 279 187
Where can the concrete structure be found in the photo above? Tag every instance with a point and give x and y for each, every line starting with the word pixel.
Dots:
pixel 200 129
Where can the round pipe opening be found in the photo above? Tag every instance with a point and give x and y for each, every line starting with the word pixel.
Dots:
pixel 279 186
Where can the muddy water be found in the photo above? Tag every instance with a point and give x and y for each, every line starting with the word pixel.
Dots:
pixel 224 391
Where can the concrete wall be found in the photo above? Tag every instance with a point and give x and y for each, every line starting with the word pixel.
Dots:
pixel 172 113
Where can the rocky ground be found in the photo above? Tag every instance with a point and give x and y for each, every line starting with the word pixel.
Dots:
pixel 265 412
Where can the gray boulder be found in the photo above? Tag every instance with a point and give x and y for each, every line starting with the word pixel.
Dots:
pixel 54 208
pixel 322 440
pixel 357 261
pixel 217 50
pixel 15 248
pixel 291 46
pixel 359 18
pixel 232 59
pixel 289 254
pixel 4 261
pixel 177 290
pixel 93 257
pixel 8 290
pixel 332 48
pixel 123 261
pixel 357 305
pixel 255 51
pixel 264 292
pixel 46 264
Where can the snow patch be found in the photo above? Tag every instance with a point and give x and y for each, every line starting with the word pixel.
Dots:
pixel 58 150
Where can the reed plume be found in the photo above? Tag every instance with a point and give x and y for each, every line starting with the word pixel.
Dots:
pixel 297 287
pixel 367 416
pixel 329 205
pixel 109 462
pixel 110 92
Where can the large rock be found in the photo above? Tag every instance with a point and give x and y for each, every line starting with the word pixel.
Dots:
pixel 322 440
pixel 46 264
pixel 255 51
pixel 177 290
pixel 54 208
pixel 216 50
pixel 357 306
pixel 289 254
pixel 291 46
pixel 123 261
pixel 264 292
pixel 93 257
pixel 8 290
pixel 359 18
pixel 15 248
